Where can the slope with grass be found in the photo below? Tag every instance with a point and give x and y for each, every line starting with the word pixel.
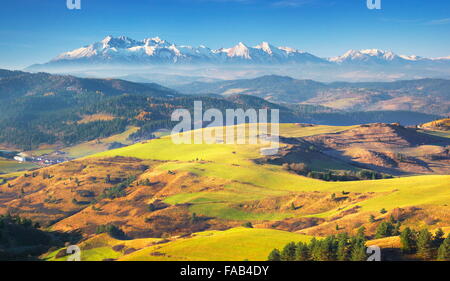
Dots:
pixel 233 244
pixel 11 166
pixel 205 189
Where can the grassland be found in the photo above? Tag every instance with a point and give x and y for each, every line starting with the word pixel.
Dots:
pixel 251 181
pixel 96 146
pixel 10 166
pixel 443 134
pixel 226 186
pixel 100 247
pixel 234 244
pixel 86 148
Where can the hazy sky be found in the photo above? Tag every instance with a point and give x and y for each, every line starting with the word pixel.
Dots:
pixel 34 31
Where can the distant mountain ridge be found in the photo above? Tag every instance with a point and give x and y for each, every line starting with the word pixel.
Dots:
pixel 422 95
pixel 14 84
pixel 41 108
pixel 124 50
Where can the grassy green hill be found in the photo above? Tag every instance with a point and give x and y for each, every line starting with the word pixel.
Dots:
pixel 234 244
pixel 188 201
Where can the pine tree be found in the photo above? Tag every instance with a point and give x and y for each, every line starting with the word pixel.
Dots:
pixel 425 244
pixel 392 220
pixel 328 248
pixel 316 250
pixel 358 250
pixel 438 237
pixel 194 218
pixel 444 250
pixel 408 241
pixel 302 252
pixel 343 247
pixel 385 229
pixel 288 252
pixel 274 255
pixel 397 228
pixel 361 233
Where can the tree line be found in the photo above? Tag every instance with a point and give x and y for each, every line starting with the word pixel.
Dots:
pixel 341 247
pixel 415 244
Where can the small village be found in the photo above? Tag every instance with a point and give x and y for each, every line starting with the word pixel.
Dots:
pixel 44 160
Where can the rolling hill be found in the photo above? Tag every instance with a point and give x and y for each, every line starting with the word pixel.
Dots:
pixel 180 194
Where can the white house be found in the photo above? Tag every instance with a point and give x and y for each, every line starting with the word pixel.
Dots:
pixel 20 159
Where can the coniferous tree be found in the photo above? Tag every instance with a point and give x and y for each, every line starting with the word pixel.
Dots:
pixel 385 229
pixel 408 241
pixel 274 255
pixel 392 220
pixel 302 252
pixel 288 252
pixel 438 237
pixel 358 249
pixel 316 250
pixel 444 250
pixel 361 233
pixel 397 228
pixel 343 247
pixel 425 244
pixel 328 248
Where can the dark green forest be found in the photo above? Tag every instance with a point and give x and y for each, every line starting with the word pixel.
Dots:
pixel 45 109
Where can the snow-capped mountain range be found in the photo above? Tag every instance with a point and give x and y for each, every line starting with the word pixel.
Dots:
pixel 124 50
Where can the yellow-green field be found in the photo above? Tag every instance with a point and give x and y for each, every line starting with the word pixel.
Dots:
pixel 86 148
pixel 10 166
pixel 255 181
pixel 93 147
pixel 245 181
pixel 234 244
pixel 444 134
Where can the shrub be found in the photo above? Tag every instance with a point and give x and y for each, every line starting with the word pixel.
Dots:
pixel 247 225
pixel 112 230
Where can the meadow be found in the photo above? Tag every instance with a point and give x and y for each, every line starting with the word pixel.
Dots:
pixel 231 244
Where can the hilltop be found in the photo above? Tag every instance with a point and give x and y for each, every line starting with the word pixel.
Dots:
pixel 389 148
pixel 439 125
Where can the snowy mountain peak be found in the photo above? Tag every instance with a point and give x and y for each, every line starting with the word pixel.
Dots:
pixel 107 39
pixel 240 50
pixel 266 47
pixel 154 50
pixel 155 41
pixel 366 55
pixel 290 50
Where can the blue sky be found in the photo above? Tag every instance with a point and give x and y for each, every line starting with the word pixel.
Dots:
pixel 34 31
